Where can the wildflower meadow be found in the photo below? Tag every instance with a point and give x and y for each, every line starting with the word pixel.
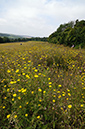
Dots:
pixel 42 86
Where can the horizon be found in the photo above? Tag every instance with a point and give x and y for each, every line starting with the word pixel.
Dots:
pixel 38 18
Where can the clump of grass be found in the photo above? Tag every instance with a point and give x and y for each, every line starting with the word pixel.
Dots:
pixel 42 85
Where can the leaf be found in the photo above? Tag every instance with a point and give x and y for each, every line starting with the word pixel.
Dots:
pixel 45 117
pixel 53 124
pixel 45 127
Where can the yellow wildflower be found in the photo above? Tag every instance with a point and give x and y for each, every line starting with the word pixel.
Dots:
pixel 3 107
pixel 59 85
pixel 40 100
pixel 59 96
pixel 44 92
pixel 5 97
pixel 81 105
pixel 70 106
pixel 48 78
pixel 19 97
pixel 19 90
pixel 4 85
pixel 36 70
pixel 27 102
pixel 39 90
pixel 14 95
pixel 69 94
pixel 27 76
pixel 15 116
pixel 23 73
pixel 8 71
pixel 8 116
pixel 17 71
pixel 39 105
pixel 32 92
pixel 18 80
pixel 7 90
pixel 50 82
pixel 54 90
pixel 26 115
pixel 24 90
pixel 12 99
pixel 38 117
pixel 20 106
pixel 35 75
pixel 50 86
pixel 58 91
pixel 63 94
pixel 53 100
pixel 54 96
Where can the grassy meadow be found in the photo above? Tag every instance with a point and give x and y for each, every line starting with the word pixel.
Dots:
pixel 42 86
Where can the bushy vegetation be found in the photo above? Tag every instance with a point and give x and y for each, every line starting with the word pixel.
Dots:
pixel 72 33
pixel 9 40
pixel 42 86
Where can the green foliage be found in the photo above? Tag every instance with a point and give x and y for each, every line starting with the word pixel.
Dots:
pixel 70 34
pixel 7 40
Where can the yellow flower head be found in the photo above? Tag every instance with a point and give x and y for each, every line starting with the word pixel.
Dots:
pixel 53 100
pixel 19 97
pixel 5 97
pixel 70 106
pixel 58 91
pixel 35 75
pixel 3 107
pixel 26 115
pixel 81 105
pixel 38 117
pixel 8 116
pixel 39 105
pixel 59 96
pixel 12 99
pixel 40 100
pixel 59 85
pixel 44 92
pixel 15 116
pixel 8 71
pixel 14 95
pixel 32 92
pixel 48 78
pixel 23 73
pixel 20 106
pixel 36 70
pixel 50 86
pixel 50 83
pixel 27 102
pixel 39 90
pixel 69 94
pixel 17 71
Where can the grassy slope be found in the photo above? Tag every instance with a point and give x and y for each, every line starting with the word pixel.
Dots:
pixel 42 85
pixel 11 36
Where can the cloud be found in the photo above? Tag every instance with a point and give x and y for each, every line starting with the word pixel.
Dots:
pixel 38 18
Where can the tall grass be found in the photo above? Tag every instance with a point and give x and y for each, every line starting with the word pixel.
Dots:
pixel 42 86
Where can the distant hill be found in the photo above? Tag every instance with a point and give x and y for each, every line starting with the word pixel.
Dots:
pixel 12 36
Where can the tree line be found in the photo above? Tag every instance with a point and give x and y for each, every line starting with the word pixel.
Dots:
pixel 8 40
pixel 71 33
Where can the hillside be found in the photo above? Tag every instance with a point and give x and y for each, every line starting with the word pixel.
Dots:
pixel 12 36
pixel 68 34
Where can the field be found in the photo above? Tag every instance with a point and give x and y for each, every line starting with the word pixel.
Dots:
pixel 42 86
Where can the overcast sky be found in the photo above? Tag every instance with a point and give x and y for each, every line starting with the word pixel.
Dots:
pixel 38 17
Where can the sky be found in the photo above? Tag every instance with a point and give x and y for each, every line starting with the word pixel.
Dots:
pixel 38 18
